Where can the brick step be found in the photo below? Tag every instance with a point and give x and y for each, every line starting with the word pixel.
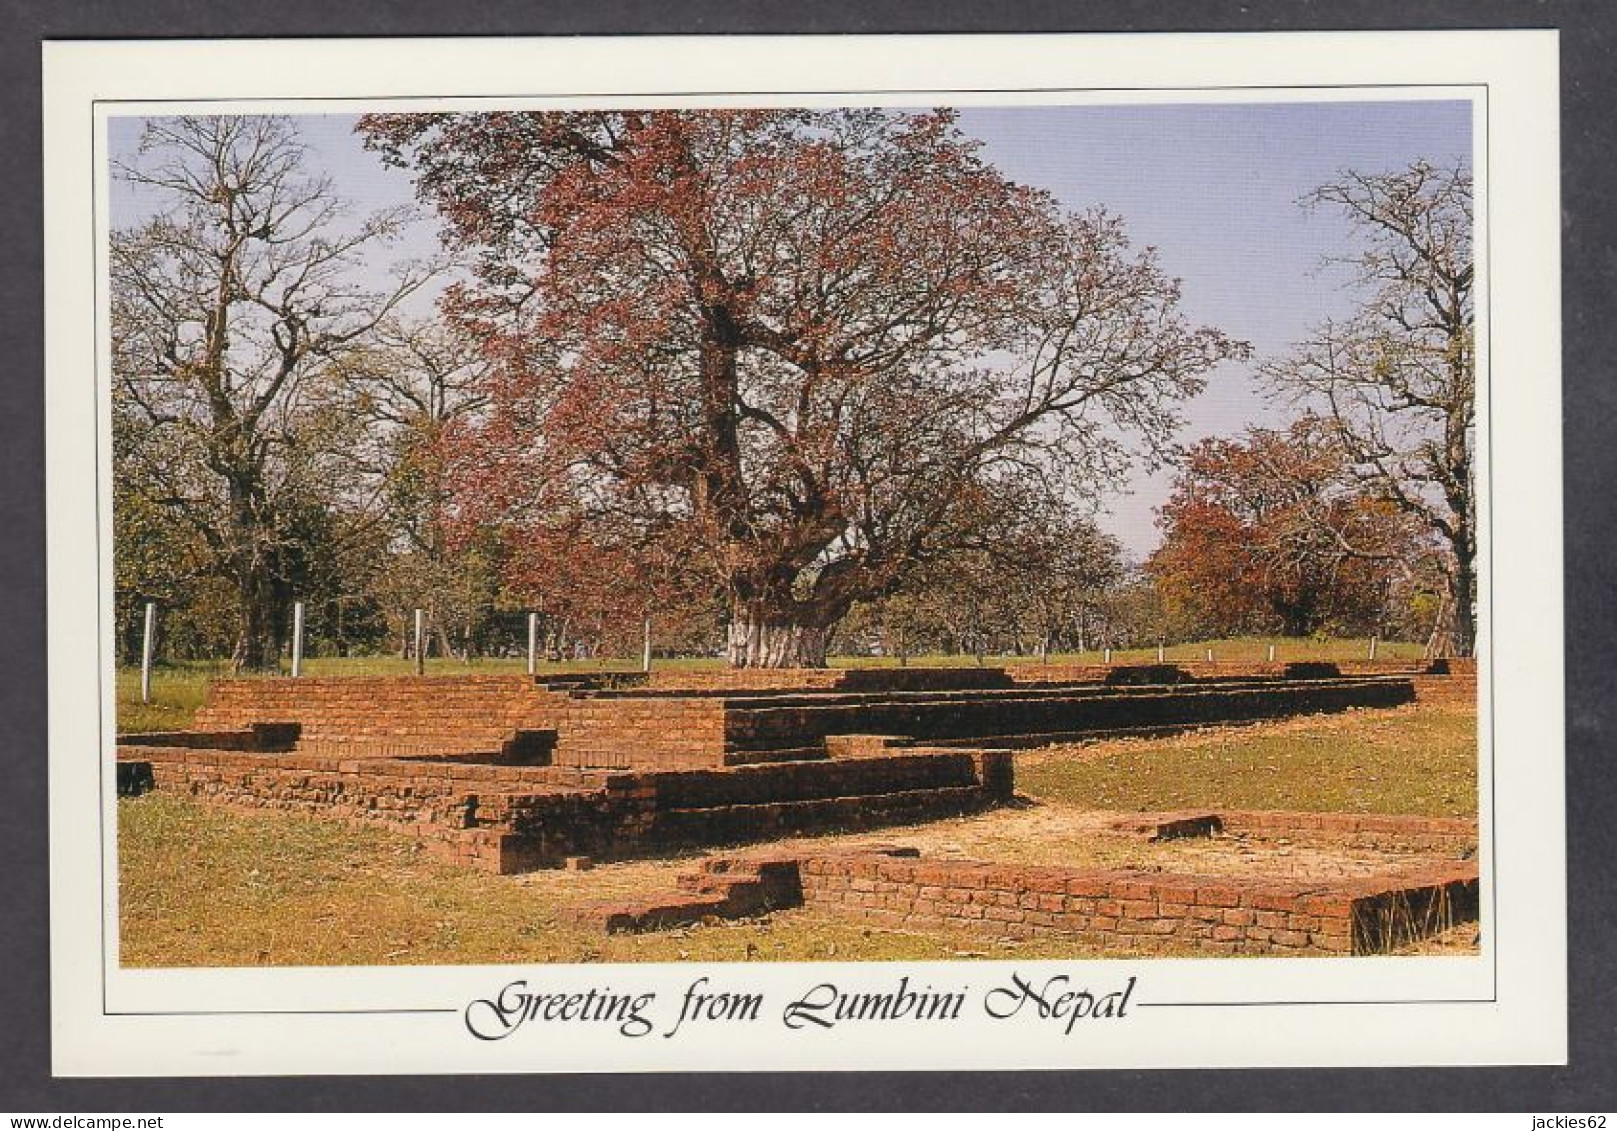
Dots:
pixel 707 883
pixel 987 714
pixel 735 823
pixel 769 755
pixel 815 780
pixel 1028 694
pixel 750 889
pixel 1033 740
pixel 1034 692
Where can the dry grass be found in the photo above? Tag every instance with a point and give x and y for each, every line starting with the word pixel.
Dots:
pixel 203 887
pixel 1458 941
pixel 1419 759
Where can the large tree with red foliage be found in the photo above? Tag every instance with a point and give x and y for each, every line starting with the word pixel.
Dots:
pixel 792 350
pixel 1271 532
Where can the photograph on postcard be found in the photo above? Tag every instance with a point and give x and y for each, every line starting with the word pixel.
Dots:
pixel 779 533
pixel 854 553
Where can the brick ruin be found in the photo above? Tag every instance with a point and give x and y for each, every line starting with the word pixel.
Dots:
pixel 1144 911
pixel 510 773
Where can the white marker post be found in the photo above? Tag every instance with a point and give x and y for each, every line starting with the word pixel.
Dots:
pixel 148 640
pixel 1271 653
pixel 297 639
pixel 533 643
pixel 1162 652
pixel 1209 655
pixel 1372 647
pixel 1107 657
pixel 645 647
pixel 420 639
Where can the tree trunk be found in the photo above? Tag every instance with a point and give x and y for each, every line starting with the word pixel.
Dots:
pixel 1440 644
pixel 759 640
pixel 257 650
pixel 1462 601
pixel 337 618
pixel 1465 636
pixel 1454 633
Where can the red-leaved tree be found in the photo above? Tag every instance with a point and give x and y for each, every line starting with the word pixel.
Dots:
pixel 789 351
pixel 1270 531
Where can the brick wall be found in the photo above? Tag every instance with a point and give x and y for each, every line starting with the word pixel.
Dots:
pixel 507 818
pixel 666 732
pixel 750 679
pixel 830 679
pixel 624 728
pixel 439 811
pixel 990 715
pixel 1145 911
pixel 263 737
pixel 394 716
pixel 387 714
pixel 1447 681
pixel 1458 688
pixel 1369 830
pixel 1202 670
pixel 801 781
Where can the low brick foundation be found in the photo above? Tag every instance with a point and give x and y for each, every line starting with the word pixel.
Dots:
pixel 1369 830
pixel 1146 911
pixel 1040 713
pixel 1394 832
pixel 630 721
pixel 1151 912
pixel 879 680
pixel 515 772
pixel 510 818
pixel 260 737
pixel 1202 671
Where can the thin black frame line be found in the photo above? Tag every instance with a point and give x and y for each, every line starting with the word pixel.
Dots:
pixel 1493 668
pixel 273 1012
pixel 100 579
pixel 1487 285
pixel 789 93
pixel 1314 1004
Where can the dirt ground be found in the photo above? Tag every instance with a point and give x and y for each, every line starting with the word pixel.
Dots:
pixel 1054 833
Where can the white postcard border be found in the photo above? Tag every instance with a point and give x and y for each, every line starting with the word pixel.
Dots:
pixel 1506 1006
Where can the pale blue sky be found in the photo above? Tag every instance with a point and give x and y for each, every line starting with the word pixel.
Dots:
pixel 1212 187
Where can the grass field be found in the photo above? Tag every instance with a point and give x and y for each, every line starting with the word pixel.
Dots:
pixel 206 888
pixel 178 689
pixel 201 887
pixel 1416 759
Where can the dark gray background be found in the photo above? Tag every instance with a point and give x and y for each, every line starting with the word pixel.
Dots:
pixel 1589 140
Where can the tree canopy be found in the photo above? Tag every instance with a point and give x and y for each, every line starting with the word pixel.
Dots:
pixel 231 306
pixel 1271 532
pixel 792 351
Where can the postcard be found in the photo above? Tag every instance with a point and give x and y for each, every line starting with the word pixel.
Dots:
pixel 955 552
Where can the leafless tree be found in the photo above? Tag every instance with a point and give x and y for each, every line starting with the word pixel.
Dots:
pixel 416 381
pixel 230 306
pixel 1396 382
